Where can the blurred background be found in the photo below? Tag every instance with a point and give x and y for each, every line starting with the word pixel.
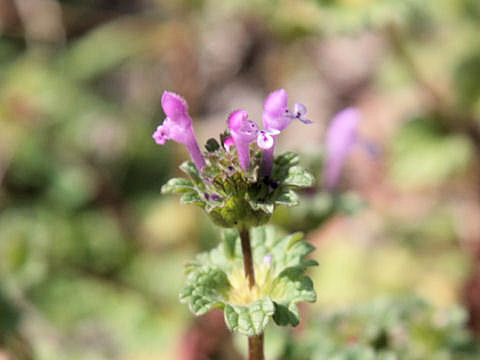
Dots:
pixel 92 255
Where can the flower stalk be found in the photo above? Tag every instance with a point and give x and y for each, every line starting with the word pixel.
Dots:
pixel 255 347
pixel 247 257
pixel 255 343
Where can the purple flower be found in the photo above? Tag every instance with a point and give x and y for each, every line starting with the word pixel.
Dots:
pixel 276 118
pixel 178 127
pixel 276 114
pixel 341 136
pixel 243 132
pixel 299 113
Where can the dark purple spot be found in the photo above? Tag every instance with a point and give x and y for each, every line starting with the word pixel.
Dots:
pixel 230 167
pixel 215 197
pixel 207 196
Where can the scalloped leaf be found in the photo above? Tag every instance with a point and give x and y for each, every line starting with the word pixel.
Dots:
pixel 290 288
pixel 285 315
pixel 215 279
pixel 205 287
pixel 249 320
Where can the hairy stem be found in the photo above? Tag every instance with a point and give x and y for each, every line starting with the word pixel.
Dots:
pixel 247 257
pixel 255 343
pixel 255 347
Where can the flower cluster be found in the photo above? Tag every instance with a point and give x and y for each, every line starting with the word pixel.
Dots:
pixel 237 183
pixel 243 131
pixel 341 135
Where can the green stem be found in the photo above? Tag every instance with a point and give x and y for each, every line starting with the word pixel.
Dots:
pixel 255 343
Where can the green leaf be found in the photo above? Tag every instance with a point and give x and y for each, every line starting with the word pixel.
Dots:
pixel 191 170
pixel 286 315
pixel 204 290
pixel 229 240
pixel 249 320
pixel 192 197
pixel 216 279
pixel 287 197
pixel 177 185
pixel 298 176
pixel 287 159
pixel 282 164
pixel 113 43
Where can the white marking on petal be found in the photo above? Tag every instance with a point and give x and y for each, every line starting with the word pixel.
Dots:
pixel 264 140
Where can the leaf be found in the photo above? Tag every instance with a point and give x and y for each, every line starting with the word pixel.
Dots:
pixel 113 43
pixel 284 315
pixel 287 159
pixel 229 240
pixel 177 185
pixel 298 176
pixel 216 279
pixel 191 170
pixel 282 164
pixel 249 320
pixel 204 290
pixel 287 197
pixel 192 197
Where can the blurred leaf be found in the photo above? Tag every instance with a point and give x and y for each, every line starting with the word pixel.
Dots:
pixel 422 155
pixel 101 50
pixel 467 79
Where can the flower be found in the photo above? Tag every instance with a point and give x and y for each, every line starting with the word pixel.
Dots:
pixel 341 136
pixel 243 132
pixel 299 112
pixel 276 118
pixel 178 127
pixel 276 114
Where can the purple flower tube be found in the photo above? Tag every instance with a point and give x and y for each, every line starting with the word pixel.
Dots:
pixel 178 127
pixel 243 131
pixel 341 136
pixel 276 118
